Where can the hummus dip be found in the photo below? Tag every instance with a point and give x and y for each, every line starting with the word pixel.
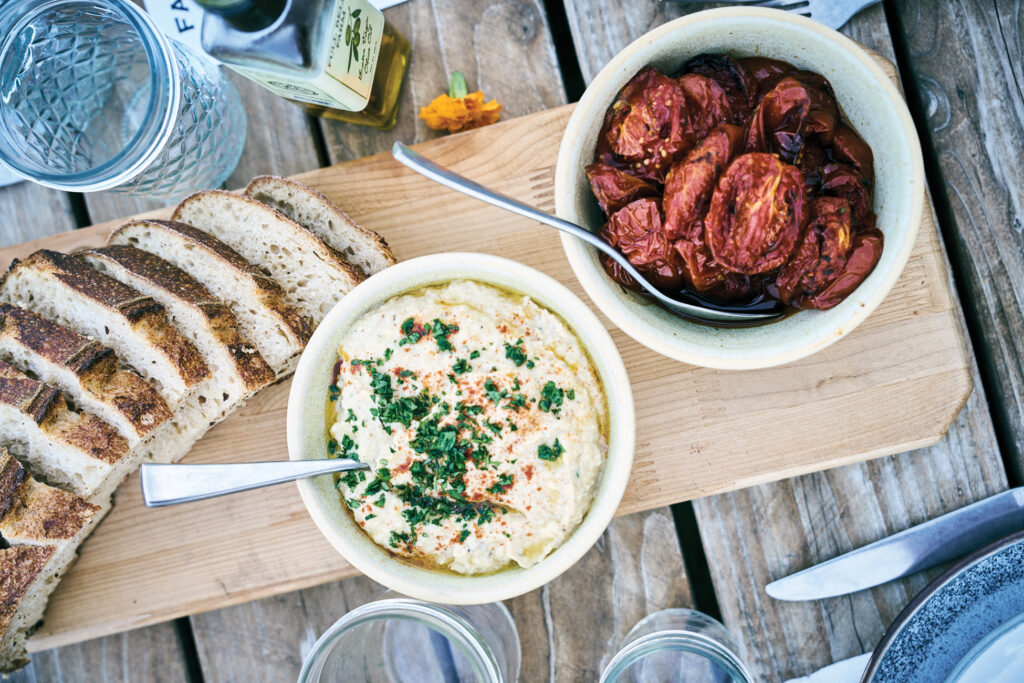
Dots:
pixel 483 423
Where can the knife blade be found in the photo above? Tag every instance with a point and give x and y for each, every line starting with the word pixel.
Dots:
pixel 936 541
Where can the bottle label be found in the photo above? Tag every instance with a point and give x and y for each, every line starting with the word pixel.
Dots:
pixel 348 69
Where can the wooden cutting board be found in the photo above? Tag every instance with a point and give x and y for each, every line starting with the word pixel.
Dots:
pixel 894 384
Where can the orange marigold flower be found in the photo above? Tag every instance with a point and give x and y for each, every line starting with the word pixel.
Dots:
pixel 460 110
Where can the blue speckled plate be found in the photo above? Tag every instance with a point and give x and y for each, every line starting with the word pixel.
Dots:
pixel 955 616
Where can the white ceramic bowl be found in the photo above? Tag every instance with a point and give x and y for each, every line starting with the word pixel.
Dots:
pixel 871 103
pixel 306 423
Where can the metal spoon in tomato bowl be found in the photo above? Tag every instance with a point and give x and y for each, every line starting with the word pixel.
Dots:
pixel 685 306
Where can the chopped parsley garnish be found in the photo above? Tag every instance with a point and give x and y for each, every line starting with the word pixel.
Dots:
pixel 333 392
pixel 546 452
pixel 492 391
pixel 473 355
pixel 503 482
pixel 441 332
pixel 461 366
pixel 515 352
pixel 463 535
pixel 550 398
pixel 412 333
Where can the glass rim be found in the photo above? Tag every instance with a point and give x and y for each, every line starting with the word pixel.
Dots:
pixel 162 109
pixel 436 617
pixel 679 640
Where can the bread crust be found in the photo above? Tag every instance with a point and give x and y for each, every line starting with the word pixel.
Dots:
pixel 45 406
pixel 33 513
pixel 262 186
pixel 249 364
pixel 272 294
pixel 92 363
pixel 146 316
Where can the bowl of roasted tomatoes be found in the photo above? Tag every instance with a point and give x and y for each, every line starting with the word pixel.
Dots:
pixel 747 160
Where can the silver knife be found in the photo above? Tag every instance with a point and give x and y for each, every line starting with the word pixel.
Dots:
pixel 936 541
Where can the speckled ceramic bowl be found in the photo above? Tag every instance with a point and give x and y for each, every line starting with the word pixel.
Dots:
pixel 306 427
pixel 954 618
pixel 870 101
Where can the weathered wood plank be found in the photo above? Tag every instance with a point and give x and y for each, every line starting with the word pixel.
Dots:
pixel 147 654
pixel 966 58
pixel 754 536
pixel 636 568
pixel 31 211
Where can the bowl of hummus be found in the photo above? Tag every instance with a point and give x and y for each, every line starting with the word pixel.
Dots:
pixel 495 416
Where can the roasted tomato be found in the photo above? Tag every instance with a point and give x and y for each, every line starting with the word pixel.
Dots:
pixel 616 273
pixel 690 182
pixel 850 148
pixel 778 123
pixel 812 159
pixel 614 188
pixel 831 260
pixel 756 214
pixel 739 86
pixel 764 72
pixel 703 273
pixel 644 126
pixel 843 180
pixel 637 230
pixel 706 104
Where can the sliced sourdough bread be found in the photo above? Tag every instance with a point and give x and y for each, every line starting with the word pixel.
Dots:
pixel 76 450
pixel 26 583
pixel 277 330
pixel 82 368
pixel 43 527
pixel 66 289
pixel 364 249
pixel 314 276
pixel 238 368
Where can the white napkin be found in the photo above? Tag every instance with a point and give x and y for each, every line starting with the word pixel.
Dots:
pixel 846 671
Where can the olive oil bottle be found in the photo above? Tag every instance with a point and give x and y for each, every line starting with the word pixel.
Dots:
pixel 335 58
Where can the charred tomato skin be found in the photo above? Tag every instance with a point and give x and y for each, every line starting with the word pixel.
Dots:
pixel 757 214
pixel 739 86
pixel 637 230
pixel 644 129
pixel 705 105
pixel 843 180
pixel 614 188
pixel 831 259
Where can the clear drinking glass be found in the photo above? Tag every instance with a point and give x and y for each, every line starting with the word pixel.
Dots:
pixel 677 645
pixel 401 640
pixel 94 97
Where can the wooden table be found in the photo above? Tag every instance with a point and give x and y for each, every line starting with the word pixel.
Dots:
pixel 960 64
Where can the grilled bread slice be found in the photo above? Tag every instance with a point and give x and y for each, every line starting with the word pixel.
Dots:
pixel 42 527
pixel 66 289
pixel 276 329
pixel 82 368
pixel 364 249
pixel 76 450
pixel 314 276
pixel 238 368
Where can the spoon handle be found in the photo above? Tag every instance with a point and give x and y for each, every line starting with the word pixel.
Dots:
pixel 417 162
pixel 170 484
